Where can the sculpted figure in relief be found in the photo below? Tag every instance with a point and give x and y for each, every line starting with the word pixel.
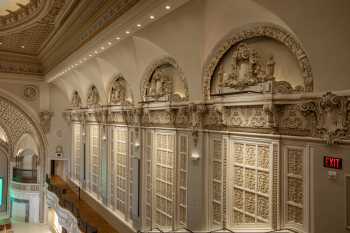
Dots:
pixel 248 68
pixel 118 92
pixel 159 84
pixel 93 97
pixel 76 100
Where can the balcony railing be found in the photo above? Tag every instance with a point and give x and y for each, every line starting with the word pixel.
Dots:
pixel 69 205
pixel 24 175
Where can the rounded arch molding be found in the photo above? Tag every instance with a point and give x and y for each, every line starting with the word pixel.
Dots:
pixel 17 120
pixel 254 31
pixel 156 64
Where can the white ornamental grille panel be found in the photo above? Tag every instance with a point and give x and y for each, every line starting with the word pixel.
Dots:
pixel 131 174
pixel 182 179
pixel 295 185
pixel 94 159
pixel 164 165
pixel 148 177
pixel 119 169
pixel 249 180
pixel 217 180
pixel 76 128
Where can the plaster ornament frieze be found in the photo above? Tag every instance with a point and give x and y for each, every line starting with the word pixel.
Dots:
pixel 330 113
pixel 249 72
pixel 19 67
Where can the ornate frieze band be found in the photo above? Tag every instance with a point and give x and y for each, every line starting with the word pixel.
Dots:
pixel 325 117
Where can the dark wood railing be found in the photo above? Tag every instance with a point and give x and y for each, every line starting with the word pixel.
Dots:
pixel 69 205
pixel 24 175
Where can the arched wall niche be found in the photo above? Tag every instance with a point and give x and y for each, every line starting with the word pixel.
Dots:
pixel 257 46
pixel 75 100
pixel 93 97
pixel 119 92
pixel 164 81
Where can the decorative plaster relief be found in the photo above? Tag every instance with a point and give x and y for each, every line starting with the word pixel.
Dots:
pixel 30 92
pixel 118 93
pixel 164 81
pixel 248 70
pixel 93 98
pixel 76 100
pixel 330 114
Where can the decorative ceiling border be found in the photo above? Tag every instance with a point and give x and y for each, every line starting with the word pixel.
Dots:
pixel 260 30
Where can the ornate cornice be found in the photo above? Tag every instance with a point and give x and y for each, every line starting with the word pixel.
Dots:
pixel 324 117
pixel 23 16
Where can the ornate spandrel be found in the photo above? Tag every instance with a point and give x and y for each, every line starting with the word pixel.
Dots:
pixel 330 115
pixel 93 97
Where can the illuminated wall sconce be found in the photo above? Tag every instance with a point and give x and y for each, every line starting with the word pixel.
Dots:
pixel 137 147
pixel 195 154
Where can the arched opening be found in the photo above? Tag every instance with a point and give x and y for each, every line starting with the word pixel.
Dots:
pixel 26 160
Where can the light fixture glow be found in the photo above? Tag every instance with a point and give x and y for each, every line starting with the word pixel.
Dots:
pixel 127 32
pixel 151 17
pixel 22 46
pixel 167 7
pixel 109 43
pixel 138 25
pixel 102 47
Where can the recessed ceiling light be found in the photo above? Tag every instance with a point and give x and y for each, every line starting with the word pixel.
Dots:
pixel 109 43
pixel 95 52
pixel 22 46
pixel 102 47
pixel 90 55
pixel 168 7
pixel 138 25
pixel 127 32
pixel 118 38
pixel 152 17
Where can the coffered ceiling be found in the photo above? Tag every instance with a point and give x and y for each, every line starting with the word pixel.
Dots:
pixel 35 35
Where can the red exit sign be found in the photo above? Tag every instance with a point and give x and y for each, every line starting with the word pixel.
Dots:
pixel 332 162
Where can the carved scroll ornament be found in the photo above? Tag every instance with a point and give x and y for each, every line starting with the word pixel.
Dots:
pixel 330 113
